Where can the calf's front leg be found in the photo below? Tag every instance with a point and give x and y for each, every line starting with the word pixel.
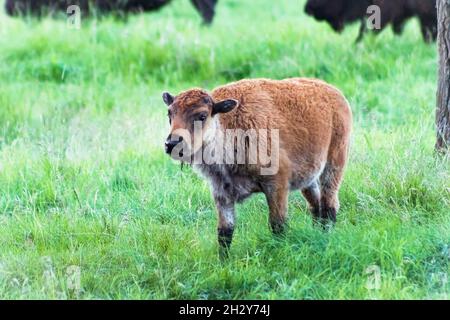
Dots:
pixel 277 198
pixel 225 229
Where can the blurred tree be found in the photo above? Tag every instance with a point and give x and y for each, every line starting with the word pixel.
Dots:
pixel 443 95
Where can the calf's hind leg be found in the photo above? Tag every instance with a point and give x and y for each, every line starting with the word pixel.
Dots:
pixel 312 196
pixel 330 182
pixel 331 178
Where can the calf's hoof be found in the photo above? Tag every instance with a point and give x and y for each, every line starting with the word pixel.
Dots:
pixel 329 214
pixel 225 237
pixel 327 219
pixel 278 229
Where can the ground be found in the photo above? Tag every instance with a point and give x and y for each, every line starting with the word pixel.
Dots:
pixel 91 207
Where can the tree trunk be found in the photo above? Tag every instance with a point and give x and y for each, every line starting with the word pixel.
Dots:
pixel 443 95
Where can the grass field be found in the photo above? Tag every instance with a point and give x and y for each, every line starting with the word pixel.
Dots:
pixel 86 189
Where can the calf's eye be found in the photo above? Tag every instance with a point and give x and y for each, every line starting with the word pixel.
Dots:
pixel 202 117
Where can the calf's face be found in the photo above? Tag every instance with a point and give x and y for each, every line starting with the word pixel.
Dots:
pixel 193 121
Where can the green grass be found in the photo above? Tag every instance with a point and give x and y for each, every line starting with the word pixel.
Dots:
pixel 84 181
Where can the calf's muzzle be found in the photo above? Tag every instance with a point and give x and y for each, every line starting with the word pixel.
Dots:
pixel 171 142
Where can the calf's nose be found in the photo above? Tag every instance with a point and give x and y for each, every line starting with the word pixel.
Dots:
pixel 172 142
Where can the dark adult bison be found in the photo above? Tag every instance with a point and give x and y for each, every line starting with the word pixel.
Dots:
pixel 338 13
pixel 308 152
pixel 37 7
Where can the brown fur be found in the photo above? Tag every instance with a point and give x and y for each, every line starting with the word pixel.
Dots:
pixel 314 122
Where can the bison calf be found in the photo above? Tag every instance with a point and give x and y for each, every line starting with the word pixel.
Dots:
pixel 301 129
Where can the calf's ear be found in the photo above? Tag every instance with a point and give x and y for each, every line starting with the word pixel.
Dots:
pixel 224 106
pixel 168 98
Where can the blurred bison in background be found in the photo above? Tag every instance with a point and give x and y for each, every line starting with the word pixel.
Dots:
pixel 38 7
pixel 338 13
